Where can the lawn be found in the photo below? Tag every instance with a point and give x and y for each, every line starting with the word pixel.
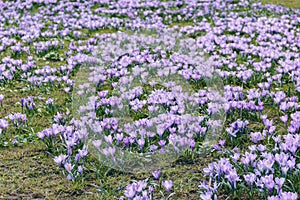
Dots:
pixel 287 3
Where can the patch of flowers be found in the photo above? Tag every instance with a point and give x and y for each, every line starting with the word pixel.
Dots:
pixel 128 72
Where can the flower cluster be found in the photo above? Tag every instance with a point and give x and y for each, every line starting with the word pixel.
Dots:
pixel 152 76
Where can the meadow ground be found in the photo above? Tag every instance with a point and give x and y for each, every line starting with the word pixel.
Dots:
pixel 287 3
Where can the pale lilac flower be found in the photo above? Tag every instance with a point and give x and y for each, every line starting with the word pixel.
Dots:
pixel 167 185
pixel 284 119
pixel 288 196
pixel 80 169
pixel 156 174
pixel 256 136
pixel 250 178
pixel 60 159
pixel 68 167
pixel 1 98
pixel 130 191
pixel 232 177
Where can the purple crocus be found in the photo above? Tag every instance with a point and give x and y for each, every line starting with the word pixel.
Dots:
pixel 1 98
pixel 156 174
pixel 167 185
pixel 232 177
pixel 250 178
pixel 69 167
pixel 60 159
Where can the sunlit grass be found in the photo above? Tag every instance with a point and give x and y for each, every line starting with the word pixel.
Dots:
pixel 286 3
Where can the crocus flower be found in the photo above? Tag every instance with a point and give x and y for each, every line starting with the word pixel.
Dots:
pixel 167 185
pixel 60 159
pixel 156 174
pixel 233 177
pixel 289 196
pixel 130 191
pixel 284 119
pixel 3 124
pixel 68 167
pixel 250 178
pixel 1 98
